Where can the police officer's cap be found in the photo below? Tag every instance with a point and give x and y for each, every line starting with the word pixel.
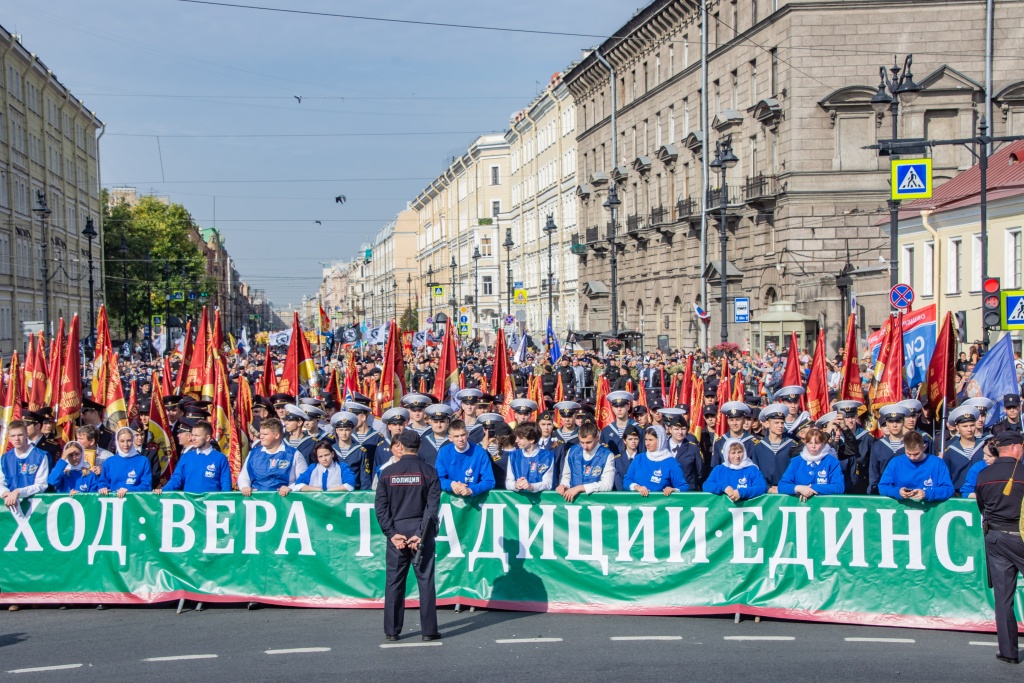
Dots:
pixel 736 409
pixel 1008 438
pixel 469 396
pixel 394 416
pixel 850 408
pixel 776 411
pixel 185 425
pixel 913 405
pixel 490 419
pixel 523 405
pixel 488 398
pixel 281 399
pixel 825 419
pixel 344 419
pixel 1011 401
pixel 963 414
pixel 171 401
pixel 416 401
pixel 293 412
pixel 981 403
pixel 331 404
pixel 89 404
pixel 710 411
pixel 752 401
pixel 144 408
pixel 710 391
pixel 196 412
pixel 639 410
pixel 360 398
pixel 566 408
pixel 893 412
pixel 546 415
pixel 356 407
pixel 410 440
pixel 32 417
pixel 439 411
pixel 789 392
pixel 312 412
pixel 655 403
pixel 620 398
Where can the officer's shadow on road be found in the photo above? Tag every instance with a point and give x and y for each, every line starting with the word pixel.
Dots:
pixel 518 594
pixel 12 638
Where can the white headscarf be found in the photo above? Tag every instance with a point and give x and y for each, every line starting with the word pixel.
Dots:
pixel 815 459
pixel 132 452
pixel 83 464
pixel 663 452
pixel 727 446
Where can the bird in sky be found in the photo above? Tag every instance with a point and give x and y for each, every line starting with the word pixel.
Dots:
pixel 298 97
pixel 318 222
pixel 340 199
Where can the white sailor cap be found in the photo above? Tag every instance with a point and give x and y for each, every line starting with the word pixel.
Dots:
pixel 790 391
pixel 293 412
pixel 849 407
pixel 825 419
pixel 893 412
pixel 776 411
pixel 489 419
pixel 912 404
pixel 312 412
pixel 393 416
pixel 964 413
pixel 439 410
pixel 566 407
pixel 735 409
pixel 311 401
pixel 672 412
pixel 344 419
pixel 523 405
pixel 802 420
pixel 416 401
pixel 981 403
pixel 470 396
pixel 355 407
pixel 620 398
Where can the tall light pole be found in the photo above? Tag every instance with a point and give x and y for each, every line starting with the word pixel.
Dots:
pixel 430 286
pixel 43 210
pixel 90 233
pixel 453 300
pixel 550 229
pixel 149 303
pixel 394 289
pixel 476 285
pixel 124 280
pixel 612 204
pixel 167 308
pixel 408 291
pixel 724 160
pixel 893 91
pixel 508 244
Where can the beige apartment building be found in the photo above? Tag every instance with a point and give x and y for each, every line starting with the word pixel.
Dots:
pixel 460 215
pixel 386 283
pixel 337 292
pixel 791 82
pixel 49 151
pixel 542 144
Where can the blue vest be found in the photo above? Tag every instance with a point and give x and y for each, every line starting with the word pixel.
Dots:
pixel 582 472
pixel 532 468
pixel 269 472
pixel 21 472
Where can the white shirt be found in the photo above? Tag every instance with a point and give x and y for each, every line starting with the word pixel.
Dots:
pixel 42 474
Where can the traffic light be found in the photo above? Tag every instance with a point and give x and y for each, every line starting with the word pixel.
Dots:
pixel 990 316
pixel 961 326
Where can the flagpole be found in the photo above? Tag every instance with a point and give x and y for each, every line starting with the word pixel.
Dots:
pixel 320 329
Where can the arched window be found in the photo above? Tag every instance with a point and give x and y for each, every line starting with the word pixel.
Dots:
pixel 641 322
pixel 623 309
pixel 770 296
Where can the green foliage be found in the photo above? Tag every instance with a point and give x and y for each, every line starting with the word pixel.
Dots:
pixel 160 259
pixel 410 321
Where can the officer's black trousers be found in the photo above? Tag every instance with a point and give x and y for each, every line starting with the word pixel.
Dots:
pixel 1005 553
pixel 398 562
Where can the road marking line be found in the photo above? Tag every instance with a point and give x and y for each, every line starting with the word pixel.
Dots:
pixel 176 658
pixel 36 669
pixel 647 637
pixel 985 643
pixel 429 643
pixel 880 640
pixel 760 638
pixel 507 641
pixel 296 650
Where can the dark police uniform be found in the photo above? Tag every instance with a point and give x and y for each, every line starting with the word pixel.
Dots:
pixel 1003 545
pixel 407 502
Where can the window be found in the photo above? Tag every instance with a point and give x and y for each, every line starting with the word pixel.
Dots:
pixel 774 83
pixel 927 288
pixel 716 93
pixel 753 81
pixel 735 17
pixel 495 208
pixel 487 284
pixel 657 70
pixel 671 61
pixel 633 92
pixel 735 89
pixel 907 266
pixel 954 266
pixel 486 248
pixel 5 254
pixel 657 130
pixel 686 116
pixel 1012 279
pixel 753 12
pixel 672 123
pixel 976 263
pixel 646 79
pixel 717 23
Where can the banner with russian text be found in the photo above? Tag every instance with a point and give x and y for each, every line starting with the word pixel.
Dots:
pixel 919 332
pixel 845 559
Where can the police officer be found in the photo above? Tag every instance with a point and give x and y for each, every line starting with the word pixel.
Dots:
pixel 1011 421
pixel 407 502
pixel 999 494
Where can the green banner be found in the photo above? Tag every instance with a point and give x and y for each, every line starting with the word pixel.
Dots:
pixel 851 559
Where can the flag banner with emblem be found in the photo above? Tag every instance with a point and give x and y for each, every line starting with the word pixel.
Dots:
pixel 325 320
pixel 850 388
pixel 843 559
pixel 282 338
pixel 54 366
pixel 333 388
pixel 501 377
pixel 186 354
pixel 266 385
pixel 106 382
pixel 888 385
pixel 351 376
pixel 160 429
pixel 133 402
pixel 722 397
pixel 199 380
pixel 166 386
pixel 686 388
pixel 558 398
pixel 243 421
pixel 994 376
pixel 697 422
pixel 68 392
pixel 29 368
pixel 939 389
pixel 392 378
pixel 11 409
pixel 602 407
pixel 40 381
pixel 220 409
pixel 448 365
pixel 817 384
pixel 217 336
pixel 299 369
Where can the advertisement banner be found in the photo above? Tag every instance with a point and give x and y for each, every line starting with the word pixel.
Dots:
pixel 843 559
pixel 919 331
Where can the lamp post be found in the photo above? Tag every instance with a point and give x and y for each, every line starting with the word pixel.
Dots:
pixel 452 299
pixel 124 280
pixel 430 286
pixel 724 160
pixel 408 291
pixel 508 244
pixel 149 303
pixel 893 91
pixel 167 308
pixel 90 233
pixel 612 204
pixel 394 288
pixel 476 285
pixel 550 229
pixel 43 210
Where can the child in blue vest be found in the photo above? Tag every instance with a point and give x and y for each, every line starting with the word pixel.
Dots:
pixel 589 466
pixel 656 469
pixel 737 477
pixel 530 468
pixel 72 474
pixel 23 469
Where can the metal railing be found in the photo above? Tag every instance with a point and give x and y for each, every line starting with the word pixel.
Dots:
pixel 760 186
pixel 735 197
pixel 659 215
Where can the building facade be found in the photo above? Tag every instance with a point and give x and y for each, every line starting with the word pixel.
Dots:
pixel 790 84
pixel 389 270
pixel 460 215
pixel 542 156
pixel 49 150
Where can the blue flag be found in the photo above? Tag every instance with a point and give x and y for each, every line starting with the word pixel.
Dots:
pixel 994 377
pixel 554 352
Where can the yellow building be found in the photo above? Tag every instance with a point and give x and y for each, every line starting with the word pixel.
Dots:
pixel 940 242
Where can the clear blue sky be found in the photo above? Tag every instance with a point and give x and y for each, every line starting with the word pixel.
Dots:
pixel 164 67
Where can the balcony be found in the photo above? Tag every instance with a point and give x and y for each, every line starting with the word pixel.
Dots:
pixel 761 192
pixel 635 224
pixel 687 209
pixel 577 247
pixel 733 200
pixel 593 239
pixel 659 215
pixel 544 285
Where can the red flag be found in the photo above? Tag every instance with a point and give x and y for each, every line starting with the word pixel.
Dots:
pixel 68 392
pixel 166 387
pixel 220 411
pixel 673 391
pixel 686 389
pixel 243 405
pixel 29 367
pixel 352 376
pixel 888 386
pixel 423 385
pixel 266 386
pixel 160 429
pixel 106 380
pixel 559 397
pixel 374 393
pixel 56 363
pixel 501 376
pixel 12 400
pixel 133 403
pixel 817 383
pixel 641 395
pixel 851 389
pixel 697 424
pixel 299 369
pixel 325 321
pixel 200 364
pixel 217 338
pixel 186 356
pixel 333 389
pixel 448 365
pixel 392 378
pixel 724 391
pixel 791 375
pixel 40 381
pixel 739 391
pixel 603 411
pixel 939 385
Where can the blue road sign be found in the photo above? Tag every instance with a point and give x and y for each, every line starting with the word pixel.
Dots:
pixel 911 178
pixel 901 296
pixel 192 296
pixel 1013 309
pixel 741 309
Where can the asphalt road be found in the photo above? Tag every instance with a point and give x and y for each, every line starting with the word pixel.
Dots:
pixel 229 643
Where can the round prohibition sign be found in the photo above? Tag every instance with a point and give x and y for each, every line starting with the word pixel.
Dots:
pixel 901 296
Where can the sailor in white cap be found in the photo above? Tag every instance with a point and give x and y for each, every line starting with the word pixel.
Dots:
pixel 611 436
pixel 965 448
pixel 416 404
pixel 790 397
pixel 395 419
pixel 667 415
pixel 439 416
pixel 772 454
pixel 350 452
pixel 524 410
pixel 736 414
pixel 364 434
pixel 984 406
pixel 853 447
pixel 295 433
pixel 910 422
pixel 568 433
pixel 313 425
pixel 890 419
pixel 471 410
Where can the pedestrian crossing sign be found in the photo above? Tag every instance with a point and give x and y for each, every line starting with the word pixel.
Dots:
pixel 439 292
pixel 1013 309
pixel 520 296
pixel 911 178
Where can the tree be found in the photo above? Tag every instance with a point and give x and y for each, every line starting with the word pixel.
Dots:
pixel 160 259
pixel 410 321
